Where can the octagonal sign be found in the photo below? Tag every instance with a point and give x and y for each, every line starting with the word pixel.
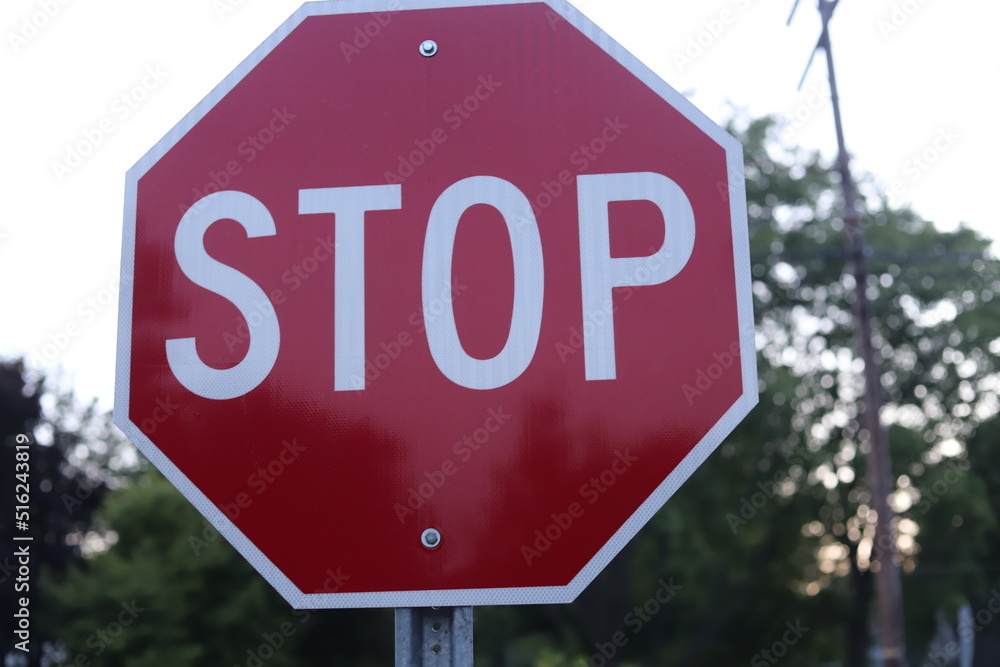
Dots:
pixel 435 304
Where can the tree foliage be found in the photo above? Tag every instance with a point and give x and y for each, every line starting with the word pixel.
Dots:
pixel 75 455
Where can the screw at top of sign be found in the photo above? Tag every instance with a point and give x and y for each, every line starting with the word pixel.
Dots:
pixel 428 48
pixel 430 538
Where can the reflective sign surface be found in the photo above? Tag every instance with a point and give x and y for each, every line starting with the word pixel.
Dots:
pixel 446 329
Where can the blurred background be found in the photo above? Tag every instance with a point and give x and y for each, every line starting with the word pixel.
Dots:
pixel 765 555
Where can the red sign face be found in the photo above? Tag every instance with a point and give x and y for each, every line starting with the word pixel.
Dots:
pixel 435 306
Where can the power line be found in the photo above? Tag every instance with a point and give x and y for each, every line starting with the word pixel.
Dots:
pixel 900 258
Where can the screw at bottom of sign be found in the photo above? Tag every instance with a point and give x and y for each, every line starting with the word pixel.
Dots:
pixel 430 538
pixel 428 48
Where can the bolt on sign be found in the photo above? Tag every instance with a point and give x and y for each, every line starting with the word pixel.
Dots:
pixel 445 301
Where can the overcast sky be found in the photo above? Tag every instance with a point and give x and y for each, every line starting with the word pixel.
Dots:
pixel 918 84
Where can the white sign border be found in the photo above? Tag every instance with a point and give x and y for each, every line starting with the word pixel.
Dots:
pixel 456 597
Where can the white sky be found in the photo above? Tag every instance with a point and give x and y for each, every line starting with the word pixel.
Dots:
pixel 60 239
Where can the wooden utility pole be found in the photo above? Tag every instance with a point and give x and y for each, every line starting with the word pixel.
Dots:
pixel 880 482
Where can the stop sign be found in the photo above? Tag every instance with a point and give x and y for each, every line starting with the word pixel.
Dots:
pixel 435 305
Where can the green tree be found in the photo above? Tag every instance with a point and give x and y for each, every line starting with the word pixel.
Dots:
pixel 73 454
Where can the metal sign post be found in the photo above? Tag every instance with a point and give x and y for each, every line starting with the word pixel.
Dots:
pixel 434 637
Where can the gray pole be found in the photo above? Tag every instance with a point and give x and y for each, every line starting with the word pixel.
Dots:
pixel 880 482
pixel 434 637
